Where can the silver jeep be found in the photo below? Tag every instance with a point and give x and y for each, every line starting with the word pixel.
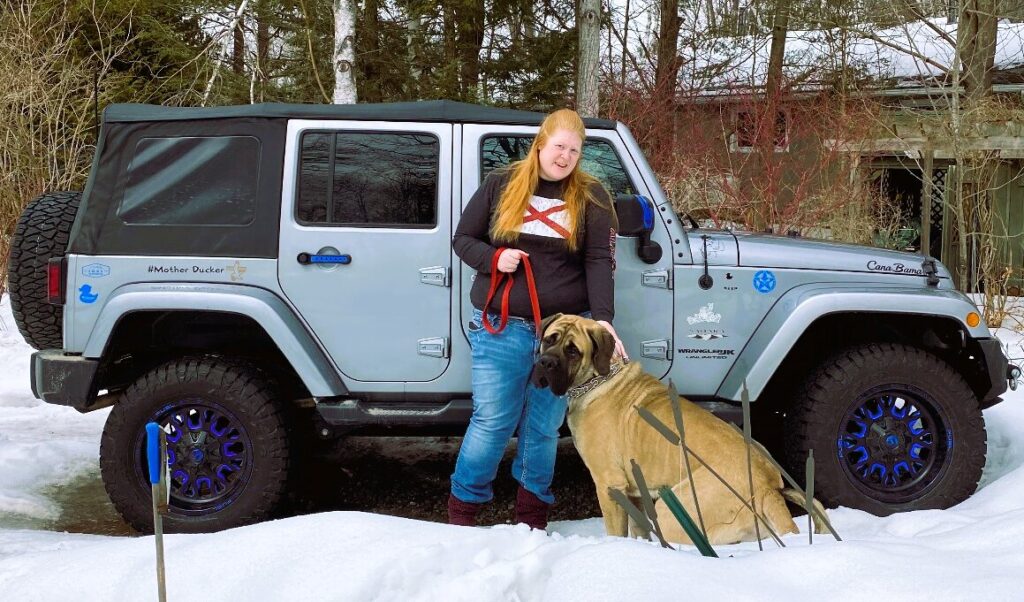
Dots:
pixel 252 277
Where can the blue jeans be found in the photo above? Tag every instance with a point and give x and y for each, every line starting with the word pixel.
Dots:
pixel 504 399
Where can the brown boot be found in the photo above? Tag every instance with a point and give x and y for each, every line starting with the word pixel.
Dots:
pixel 462 513
pixel 531 510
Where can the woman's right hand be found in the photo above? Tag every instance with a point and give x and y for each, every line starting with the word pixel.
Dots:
pixel 509 259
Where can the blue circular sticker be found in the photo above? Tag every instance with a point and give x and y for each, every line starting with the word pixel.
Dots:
pixel 764 281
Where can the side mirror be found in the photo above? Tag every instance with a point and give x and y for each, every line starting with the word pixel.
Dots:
pixel 636 219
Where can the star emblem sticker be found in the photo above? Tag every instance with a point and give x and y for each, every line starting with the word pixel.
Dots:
pixel 236 270
pixel 764 281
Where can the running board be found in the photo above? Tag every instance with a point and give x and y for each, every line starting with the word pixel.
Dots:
pixel 355 412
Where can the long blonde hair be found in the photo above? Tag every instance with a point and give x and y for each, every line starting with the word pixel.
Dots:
pixel 525 175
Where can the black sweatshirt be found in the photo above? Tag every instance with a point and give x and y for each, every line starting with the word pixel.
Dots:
pixel 567 282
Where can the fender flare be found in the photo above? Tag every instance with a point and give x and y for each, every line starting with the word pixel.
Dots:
pixel 796 310
pixel 290 335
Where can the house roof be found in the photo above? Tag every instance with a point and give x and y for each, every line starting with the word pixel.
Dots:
pixel 908 56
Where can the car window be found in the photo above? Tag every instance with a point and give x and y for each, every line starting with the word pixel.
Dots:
pixel 194 181
pixel 369 179
pixel 599 160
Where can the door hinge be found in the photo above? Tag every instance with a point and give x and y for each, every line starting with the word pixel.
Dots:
pixel 433 347
pixel 436 275
pixel 660 349
pixel 657 279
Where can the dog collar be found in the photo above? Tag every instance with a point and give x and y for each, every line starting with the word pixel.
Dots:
pixel 579 391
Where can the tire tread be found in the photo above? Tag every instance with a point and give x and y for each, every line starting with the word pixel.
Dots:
pixel 813 408
pixel 255 405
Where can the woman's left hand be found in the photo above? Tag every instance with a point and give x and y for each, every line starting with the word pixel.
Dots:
pixel 620 349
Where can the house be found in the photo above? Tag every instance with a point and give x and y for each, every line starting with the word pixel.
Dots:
pixel 872 104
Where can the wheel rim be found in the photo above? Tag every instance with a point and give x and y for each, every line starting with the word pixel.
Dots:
pixel 893 443
pixel 209 455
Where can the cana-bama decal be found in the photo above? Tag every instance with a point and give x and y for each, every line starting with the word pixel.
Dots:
pixel 894 268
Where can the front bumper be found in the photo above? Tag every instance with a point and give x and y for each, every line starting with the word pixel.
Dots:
pixel 65 380
pixel 997 365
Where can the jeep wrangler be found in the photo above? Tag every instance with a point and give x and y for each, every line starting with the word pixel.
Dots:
pixel 255 277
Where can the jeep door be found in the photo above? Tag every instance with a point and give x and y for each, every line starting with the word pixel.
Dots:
pixel 365 244
pixel 643 295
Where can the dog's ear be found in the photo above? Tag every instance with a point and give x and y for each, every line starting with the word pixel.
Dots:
pixel 547 322
pixel 604 347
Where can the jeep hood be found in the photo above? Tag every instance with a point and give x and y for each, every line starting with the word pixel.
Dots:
pixel 761 250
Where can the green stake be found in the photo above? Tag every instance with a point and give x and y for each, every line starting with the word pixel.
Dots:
pixel 684 519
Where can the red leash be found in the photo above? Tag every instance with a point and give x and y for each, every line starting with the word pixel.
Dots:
pixel 497 278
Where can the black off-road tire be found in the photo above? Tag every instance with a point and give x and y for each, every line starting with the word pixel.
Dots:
pixel 828 413
pixel 42 233
pixel 232 410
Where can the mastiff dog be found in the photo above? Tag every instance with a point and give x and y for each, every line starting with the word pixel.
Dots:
pixel 608 431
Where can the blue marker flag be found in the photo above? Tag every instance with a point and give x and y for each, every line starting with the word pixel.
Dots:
pixel 153 452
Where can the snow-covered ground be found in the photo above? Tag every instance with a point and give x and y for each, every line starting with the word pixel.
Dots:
pixel 971 552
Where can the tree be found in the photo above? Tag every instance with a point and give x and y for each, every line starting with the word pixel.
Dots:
pixel 469 38
pixel 780 29
pixel 666 74
pixel 589 58
pixel 344 52
pixel 976 47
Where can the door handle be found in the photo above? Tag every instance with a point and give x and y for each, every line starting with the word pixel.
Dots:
pixel 311 258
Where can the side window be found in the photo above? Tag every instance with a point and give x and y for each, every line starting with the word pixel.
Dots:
pixel 369 179
pixel 599 160
pixel 192 181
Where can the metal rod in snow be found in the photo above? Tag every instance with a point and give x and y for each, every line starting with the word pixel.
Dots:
pixel 156 455
pixel 809 498
pixel 745 400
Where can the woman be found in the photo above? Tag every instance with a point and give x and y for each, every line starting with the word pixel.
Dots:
pixel 546 212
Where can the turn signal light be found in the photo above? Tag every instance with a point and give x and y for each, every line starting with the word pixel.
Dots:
pixel 973 319
pixel 55 281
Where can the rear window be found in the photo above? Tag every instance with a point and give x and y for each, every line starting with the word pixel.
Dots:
pixel 192 181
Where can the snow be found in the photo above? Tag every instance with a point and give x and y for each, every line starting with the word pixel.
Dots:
pixel 717 63
pixel 969 552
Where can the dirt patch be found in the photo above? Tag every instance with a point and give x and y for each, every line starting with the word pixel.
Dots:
pixel 397 476
pixel 409 477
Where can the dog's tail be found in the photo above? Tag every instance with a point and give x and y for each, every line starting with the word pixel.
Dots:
pixel 797 497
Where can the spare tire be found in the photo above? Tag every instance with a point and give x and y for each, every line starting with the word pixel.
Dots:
pixel 42 233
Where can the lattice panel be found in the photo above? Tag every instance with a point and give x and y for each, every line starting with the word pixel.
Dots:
pixel 938 202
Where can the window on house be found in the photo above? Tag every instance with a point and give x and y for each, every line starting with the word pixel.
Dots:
pixel 599 160
pixel 368 179
pixel 747 132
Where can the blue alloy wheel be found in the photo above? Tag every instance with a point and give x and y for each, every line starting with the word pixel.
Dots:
pixel 227 445
pixel 209 455
pixel 893 443
pixel 896 428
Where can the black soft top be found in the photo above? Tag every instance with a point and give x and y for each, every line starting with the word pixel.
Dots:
pixel 162 173
pixel 446 111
